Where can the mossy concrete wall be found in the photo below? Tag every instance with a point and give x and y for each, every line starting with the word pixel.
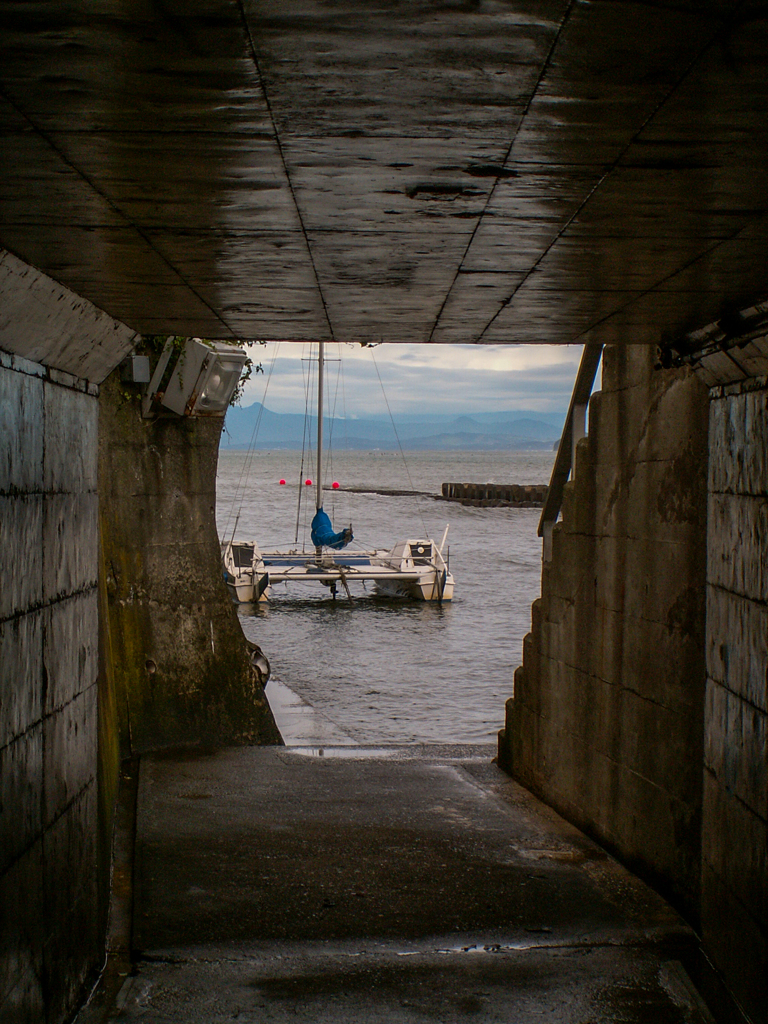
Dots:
pixel 179 660
pixel 606 719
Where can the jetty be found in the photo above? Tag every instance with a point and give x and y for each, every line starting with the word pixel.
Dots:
pixel 497 495
pixel 481 495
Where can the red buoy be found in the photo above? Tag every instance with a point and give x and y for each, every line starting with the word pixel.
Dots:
pixel 282 482
pixel 308 483
pixel 335 485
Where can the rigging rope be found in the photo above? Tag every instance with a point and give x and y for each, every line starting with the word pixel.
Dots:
pixel 397 437
pixel 307 383
pixel 333 404
pixel 245 468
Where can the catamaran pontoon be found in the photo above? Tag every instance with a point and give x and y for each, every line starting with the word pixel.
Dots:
pixel 414 568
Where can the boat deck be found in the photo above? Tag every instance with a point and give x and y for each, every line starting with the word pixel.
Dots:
pixel 363 568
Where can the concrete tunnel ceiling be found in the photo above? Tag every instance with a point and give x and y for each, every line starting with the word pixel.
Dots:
pixel 490 172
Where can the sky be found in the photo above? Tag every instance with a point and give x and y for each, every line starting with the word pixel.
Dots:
pixel 419 379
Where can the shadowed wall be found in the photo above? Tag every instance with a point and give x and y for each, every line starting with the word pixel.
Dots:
pixel 180 662
pixel 606 719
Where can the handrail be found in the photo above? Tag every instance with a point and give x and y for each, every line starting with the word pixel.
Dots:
pixel 574 429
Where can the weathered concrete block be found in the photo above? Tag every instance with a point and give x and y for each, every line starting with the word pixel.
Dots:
pixel 71 441
pixel 662 664
pixel 640 498
pixel 656 833
pixel 610 574
pixel 667 496
pixel 565 576
pixel 182 653
pixel 738 527
pixel 660 833
pixel 21 674
pixel 581 649
pixel 674 418
pixel 660 587
pixel 734 831
pixel 22 924
pixel 754 357
pixel 181 667
pixel 70 893
pixel 70 753
pixel 650 416
pixel 569 698
pixel 608 724
pixel 733 846
pixel 736 746
pixel 21 541
pixel 738 431
pixel 656 747
pixel 578 515
pixel 71 544
pixel 611 498
pixel 70 648
pixel 722 368
pixel 521 741
pixel 737 644
pixel 21 428
pixel 611 442
pixel 736 942
pixel 21 768
pixel 61 329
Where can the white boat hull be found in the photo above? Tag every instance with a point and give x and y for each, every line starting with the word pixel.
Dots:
pixel 245 592
pixel 244 573
pixel 430 587
pixel 413 569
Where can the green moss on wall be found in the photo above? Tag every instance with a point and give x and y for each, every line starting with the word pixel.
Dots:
pixel 179 662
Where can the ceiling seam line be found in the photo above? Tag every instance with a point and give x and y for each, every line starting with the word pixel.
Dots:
pixel 113 205
pixel 544 68
pixel 662 280
pixel 278 143
pixel 611 168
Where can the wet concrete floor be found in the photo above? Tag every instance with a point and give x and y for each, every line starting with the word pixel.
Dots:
pixel 401 884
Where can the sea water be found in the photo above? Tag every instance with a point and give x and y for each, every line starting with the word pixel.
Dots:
pixel 385 670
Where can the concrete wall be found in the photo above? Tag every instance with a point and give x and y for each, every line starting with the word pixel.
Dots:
pixel 59 669
pixel 606 719
pixel 58 727
pixel 180 662
pixel 735 814
pixel 52 904
pixel 641 708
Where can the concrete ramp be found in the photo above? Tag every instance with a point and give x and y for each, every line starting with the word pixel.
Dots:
pixel 395 884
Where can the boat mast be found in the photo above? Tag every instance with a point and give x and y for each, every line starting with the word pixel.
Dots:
pixel 320 364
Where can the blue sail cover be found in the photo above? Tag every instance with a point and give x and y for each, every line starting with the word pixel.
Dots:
pixel 323 535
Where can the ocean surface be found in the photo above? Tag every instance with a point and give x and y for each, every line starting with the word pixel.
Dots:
pixel 385 671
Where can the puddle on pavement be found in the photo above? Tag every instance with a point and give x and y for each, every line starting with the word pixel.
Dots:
pixel 348 751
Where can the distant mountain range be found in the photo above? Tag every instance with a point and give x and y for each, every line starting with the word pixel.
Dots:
pixel 483 431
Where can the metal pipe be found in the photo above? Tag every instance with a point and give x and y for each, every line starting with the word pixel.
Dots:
pixel 320 364
pixel 578 430
pixel 582 389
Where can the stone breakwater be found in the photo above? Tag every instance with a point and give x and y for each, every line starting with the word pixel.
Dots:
pixel 496 495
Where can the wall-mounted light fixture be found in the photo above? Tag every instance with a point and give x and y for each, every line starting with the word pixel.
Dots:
pixel 202 381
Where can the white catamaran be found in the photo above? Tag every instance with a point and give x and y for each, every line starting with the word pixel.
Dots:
pixel 414 568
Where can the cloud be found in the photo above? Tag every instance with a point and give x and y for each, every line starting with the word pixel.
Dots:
pixel 417 378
